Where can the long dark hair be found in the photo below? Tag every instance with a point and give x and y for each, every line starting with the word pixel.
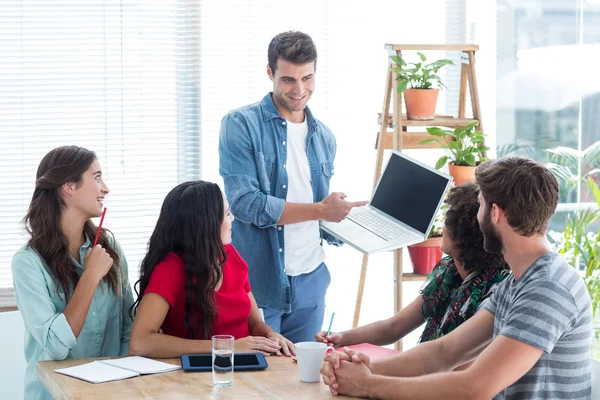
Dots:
pixel 461 222
pixel 190 225
pixel 62 165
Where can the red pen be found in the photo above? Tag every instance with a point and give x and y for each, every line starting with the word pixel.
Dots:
pixel 99 227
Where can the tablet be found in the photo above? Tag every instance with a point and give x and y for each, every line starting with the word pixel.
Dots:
pixel 241 362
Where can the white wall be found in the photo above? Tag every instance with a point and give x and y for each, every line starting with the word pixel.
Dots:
pixel 12 364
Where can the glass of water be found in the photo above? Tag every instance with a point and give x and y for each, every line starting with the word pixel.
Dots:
pixel 222 360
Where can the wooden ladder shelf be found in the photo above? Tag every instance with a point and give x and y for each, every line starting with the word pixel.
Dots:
pixel 394 134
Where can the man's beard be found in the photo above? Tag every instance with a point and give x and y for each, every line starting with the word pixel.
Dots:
pixel 492 242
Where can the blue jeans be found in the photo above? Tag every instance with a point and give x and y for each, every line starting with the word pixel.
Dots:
pixel 308 307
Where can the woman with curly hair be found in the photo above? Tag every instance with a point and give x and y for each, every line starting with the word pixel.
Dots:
pixel 455 289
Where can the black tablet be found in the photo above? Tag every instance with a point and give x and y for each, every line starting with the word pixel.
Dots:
pixel 241 362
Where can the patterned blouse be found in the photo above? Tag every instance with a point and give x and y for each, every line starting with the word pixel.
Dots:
pixel 449 301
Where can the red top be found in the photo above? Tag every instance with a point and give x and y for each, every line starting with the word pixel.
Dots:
pixel 232 300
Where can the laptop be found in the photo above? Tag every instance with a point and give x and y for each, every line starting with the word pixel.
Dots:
pixel 401 212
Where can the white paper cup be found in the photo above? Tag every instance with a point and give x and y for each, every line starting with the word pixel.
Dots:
pixel 310 359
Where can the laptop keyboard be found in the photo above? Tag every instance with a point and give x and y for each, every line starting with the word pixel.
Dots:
pixel 377 224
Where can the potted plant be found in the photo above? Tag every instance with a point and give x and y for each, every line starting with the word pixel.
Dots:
pixel 466 151
pixel 581 248
pixel 425 255
pixel 416 81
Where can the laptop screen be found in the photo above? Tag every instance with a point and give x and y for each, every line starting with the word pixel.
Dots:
pixel 409 192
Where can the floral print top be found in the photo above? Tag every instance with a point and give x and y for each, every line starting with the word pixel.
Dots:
pixel 449 301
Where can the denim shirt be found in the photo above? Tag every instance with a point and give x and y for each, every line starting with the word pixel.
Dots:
pixel 48 335
pixel 253 155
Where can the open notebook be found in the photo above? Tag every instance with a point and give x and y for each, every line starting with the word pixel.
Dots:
pixel 121 368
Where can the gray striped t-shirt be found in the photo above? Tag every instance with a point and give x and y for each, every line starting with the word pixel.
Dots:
pixel 548 308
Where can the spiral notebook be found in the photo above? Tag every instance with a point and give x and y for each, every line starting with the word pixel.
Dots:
pixel 120 368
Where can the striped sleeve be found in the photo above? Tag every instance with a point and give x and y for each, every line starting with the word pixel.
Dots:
pixel 541 315
pixel 491 303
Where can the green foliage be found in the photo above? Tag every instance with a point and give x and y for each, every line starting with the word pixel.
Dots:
pixel 572 168
pixel 532 148
pixel 418 75
pixel 466 149
pixel 580 246
pixel 438 223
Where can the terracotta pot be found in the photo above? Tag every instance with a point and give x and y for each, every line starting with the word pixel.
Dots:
pixel 425 255
pixel 461 174
pixel 420 103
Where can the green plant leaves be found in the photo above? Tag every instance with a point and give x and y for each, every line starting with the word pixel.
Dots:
pixel 441 162
pixel 417 75
pixel 565 156
pixel 398 60
pixel 466 150
pixel 595 190
pixel 455 145
pixel 572 167
pixel 436 132
pixel 402 85
pixel 436 65
pixel 579 245
pixel 591 155
pixel 426 141
pixel 470 159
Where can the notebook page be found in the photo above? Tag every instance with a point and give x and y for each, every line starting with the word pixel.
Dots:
pixel 141 365
pixel 97 372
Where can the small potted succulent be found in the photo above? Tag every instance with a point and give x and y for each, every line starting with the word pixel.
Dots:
pixel 466 151
pixel 420 84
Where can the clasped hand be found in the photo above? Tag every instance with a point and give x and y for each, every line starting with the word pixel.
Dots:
pixel 346 372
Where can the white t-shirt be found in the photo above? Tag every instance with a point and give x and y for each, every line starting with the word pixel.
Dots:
pixel 303 251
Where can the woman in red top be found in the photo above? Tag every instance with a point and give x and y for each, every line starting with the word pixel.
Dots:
pixel 194 284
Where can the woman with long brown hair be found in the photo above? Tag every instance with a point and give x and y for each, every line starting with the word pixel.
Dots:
pixel 194 284
pixel 73 298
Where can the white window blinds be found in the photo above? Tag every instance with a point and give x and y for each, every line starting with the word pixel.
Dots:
pixel 117 77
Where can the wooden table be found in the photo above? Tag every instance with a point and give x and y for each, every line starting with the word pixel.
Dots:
pixel 279 381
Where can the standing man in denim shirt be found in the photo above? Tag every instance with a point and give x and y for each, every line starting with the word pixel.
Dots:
pixel 276 160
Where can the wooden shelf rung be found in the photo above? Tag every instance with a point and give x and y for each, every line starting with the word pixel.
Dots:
pixel 445 122
pixel 410 140
pixel 410 277
pixel 391 119
pixel 455 47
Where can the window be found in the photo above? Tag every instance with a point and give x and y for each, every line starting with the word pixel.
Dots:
pixel 548 95
pixel 117 77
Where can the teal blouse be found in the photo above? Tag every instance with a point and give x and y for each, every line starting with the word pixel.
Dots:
pixel 48 336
